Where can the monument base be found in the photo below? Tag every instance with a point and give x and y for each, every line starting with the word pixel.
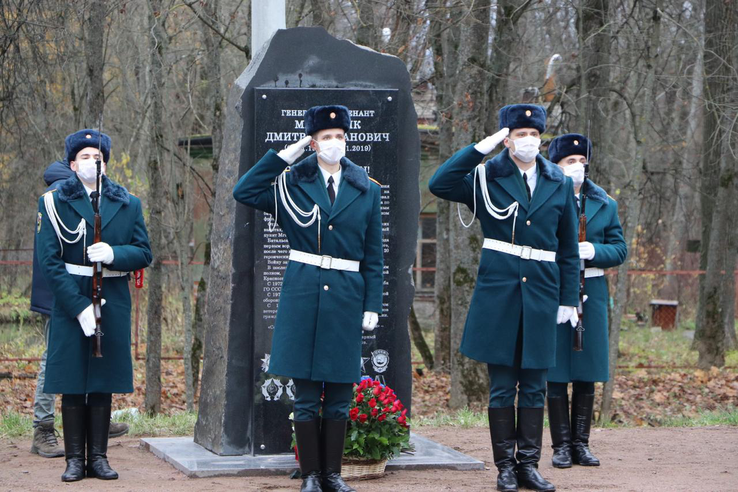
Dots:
pixel 197 462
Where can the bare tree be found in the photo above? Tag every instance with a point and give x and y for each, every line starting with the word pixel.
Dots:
pixel 158 43
pixel 469 379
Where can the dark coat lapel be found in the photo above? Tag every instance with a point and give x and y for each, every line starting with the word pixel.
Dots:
pixel 550 177
pixel 305 175
pixel 354 182
pixel 502 170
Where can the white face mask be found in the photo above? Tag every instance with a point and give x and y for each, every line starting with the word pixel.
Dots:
pixel 526 148
pixel 331 151
pixel 575 172
pixel 87 170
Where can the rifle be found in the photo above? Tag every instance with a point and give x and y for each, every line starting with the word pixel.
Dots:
pixel 579 330
pixel 97 267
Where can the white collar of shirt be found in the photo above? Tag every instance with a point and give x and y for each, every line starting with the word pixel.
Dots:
pixel 531 175
pixel 336 178
pixel 88 190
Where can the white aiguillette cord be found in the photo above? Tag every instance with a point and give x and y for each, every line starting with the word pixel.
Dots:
pixel 281 184
pixel 80 231
pixel 480 174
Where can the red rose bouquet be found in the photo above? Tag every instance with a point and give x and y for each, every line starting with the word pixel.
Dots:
pixel 378 427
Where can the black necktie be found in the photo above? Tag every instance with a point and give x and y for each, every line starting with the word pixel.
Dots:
pixel 331 192
pixel 527 188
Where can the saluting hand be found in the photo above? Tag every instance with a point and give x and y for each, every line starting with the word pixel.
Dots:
pixel 100 252
pixel 488 144
pixel 87 319
pixel 295 150
pixel 370 321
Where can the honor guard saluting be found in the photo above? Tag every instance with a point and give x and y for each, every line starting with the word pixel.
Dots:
pixel 329 209
pixel 526 283
pixel 64 237
pixel 604 248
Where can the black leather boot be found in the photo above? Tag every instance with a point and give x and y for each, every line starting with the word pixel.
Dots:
pixel 98 427
pixel 332 438
pixel 582 407
pixel 530 436
pixel 307 435
pixel 74 420
pixel 558 420
pixel 502 433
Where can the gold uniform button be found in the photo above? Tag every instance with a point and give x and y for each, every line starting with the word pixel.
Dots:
pixel 325 287
pixel 330 227
pixel 525 279
pixel 527 222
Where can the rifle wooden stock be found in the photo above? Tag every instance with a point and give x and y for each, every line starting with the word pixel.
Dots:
pixel 579 330
pixel 97 278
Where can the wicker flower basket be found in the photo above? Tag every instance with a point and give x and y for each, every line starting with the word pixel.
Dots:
pixel 362 469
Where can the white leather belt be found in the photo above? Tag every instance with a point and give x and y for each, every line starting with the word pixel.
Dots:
pixel 87 271
pixel 324 261
pixel 524 252
pixel 593 272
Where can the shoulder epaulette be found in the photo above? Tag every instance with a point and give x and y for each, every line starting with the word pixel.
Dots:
pixel 377 182
pixel 50 191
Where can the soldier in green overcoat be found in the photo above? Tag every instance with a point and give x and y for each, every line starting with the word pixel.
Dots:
pixel 527 279
pixel 603 248
pixel 64 237
pixel 329 209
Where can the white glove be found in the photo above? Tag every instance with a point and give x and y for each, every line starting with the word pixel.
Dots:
pixel 100 252
pixel 87 319
pixel 586 251
pixel 567 313
pixel 295 150
pixel 488 144
pixel 370 321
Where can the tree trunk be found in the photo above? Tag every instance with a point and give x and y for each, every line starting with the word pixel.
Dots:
pixel 94 62
pixel 444 39
pixel 641 108
pixel 509 13
pixel 321 17
pixel 214 95
pixel 684 200
pixel 595 39
pixel 367 33
pixel 157 51
pixel 718 180
pixel 419 340
pixel 469 380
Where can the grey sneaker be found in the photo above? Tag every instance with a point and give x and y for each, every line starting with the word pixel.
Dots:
pixel 44 441
pixel 117 429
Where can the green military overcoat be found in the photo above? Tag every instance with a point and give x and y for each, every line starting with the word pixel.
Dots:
pixel 512 292
pixel 317 333
pixel 606 235
pixel 70 368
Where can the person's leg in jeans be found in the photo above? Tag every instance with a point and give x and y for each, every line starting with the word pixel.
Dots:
pixel 44 437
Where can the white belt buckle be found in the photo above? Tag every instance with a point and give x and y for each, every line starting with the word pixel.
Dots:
pixel 525 252
pixel 325 262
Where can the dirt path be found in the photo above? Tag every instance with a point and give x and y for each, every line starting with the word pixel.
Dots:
pixel 639 460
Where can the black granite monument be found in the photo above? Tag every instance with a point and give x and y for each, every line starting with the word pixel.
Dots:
pixel 244 409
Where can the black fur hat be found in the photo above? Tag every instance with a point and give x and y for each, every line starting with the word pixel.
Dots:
pixel 324 117
pixel 523 116
pixel 87 138
pixel 569 144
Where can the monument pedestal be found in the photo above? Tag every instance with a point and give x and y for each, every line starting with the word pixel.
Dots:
pixel 197 462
